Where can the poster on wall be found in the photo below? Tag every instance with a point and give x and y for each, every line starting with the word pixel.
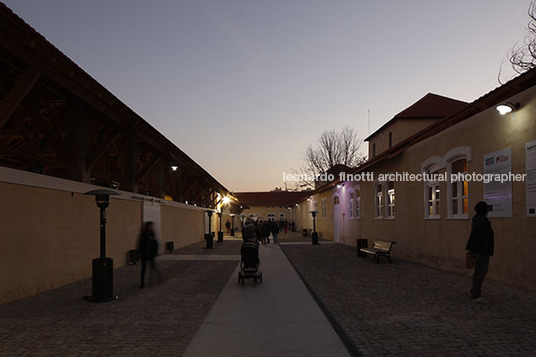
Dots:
pixel 530 179
pixel 497 194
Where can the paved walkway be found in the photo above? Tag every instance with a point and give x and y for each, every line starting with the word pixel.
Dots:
pixel 399 309
pixel 276 318
pixel 408 309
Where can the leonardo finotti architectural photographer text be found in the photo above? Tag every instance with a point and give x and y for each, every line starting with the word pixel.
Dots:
pixel 406 176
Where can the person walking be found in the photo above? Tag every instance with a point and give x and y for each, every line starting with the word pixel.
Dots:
pixel 480 245
pixel 228 226
pixel 148 247
pixel 275 230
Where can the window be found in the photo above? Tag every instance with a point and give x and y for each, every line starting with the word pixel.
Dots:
pixel 357 211
pixel 459 195
pixel 351 206
pixel 379 200
pixel 324 208
pixel 433 194
pixel 270 217
pixel 390 199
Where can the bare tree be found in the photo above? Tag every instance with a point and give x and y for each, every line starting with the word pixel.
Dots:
pixel 332 148
pixel 523 56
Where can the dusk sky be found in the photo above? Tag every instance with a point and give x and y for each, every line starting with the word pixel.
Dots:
pixel 244 86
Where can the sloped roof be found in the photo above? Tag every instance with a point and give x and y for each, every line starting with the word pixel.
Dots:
pixel 272 198
pixel 491 99
pixel 431 106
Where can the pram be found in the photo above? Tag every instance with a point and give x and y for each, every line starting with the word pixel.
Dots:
pixel 249 263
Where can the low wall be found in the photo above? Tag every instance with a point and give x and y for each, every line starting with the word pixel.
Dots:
pixel 50 231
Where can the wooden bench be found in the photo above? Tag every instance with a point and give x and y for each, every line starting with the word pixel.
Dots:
pixel 379 248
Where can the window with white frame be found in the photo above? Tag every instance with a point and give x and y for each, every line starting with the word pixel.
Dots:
pixel 390 199
pixel 432 194
pixel 324 208
pixel 357 199
pixel 459 190
pixel 351 205
pixel 379 200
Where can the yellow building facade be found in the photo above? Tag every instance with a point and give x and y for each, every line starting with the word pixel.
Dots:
pixel 430 216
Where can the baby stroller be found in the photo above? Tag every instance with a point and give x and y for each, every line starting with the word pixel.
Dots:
pixel 249 263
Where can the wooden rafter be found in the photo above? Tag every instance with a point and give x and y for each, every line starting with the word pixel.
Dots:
pixel 16 95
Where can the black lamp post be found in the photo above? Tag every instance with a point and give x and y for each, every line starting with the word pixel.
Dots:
pixel 103 267
pixel 314 235
pixel 220 232
pixel 232 225
pixel 208 237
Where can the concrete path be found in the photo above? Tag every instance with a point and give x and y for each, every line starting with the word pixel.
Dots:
pixel 276 318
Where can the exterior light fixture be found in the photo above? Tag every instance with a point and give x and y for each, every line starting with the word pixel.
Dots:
pixel 102 267
pixel 507 107
pixel 174 167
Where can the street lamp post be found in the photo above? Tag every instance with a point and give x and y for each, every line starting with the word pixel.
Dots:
pixel 103 267
pixel 220 232
pixel 314 235
pixel 208 237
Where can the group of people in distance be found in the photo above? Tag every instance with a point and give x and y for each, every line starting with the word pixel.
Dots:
pixel 260 230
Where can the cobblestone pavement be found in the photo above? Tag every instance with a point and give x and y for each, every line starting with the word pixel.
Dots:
pixel 407 309
pixel 159 320
pixel 399 309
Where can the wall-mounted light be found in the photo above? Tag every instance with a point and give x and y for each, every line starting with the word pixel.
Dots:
pixel 507 107
pixel 174 168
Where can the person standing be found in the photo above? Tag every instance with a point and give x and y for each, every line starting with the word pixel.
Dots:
pixel 148 247
pixel 481 246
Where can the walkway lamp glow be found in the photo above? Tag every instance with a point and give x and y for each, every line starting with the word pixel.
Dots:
pixel 314 235
pixel 103 267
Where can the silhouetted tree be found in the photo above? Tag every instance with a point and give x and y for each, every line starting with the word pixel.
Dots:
pixel 523 56
pixel 332 148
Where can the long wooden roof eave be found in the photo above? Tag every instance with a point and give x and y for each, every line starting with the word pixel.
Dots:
pixel 24 41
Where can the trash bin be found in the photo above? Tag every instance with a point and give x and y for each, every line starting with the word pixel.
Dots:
pixel 103 274
pixel 220 236
pixel 133 256
pixel 361 243
pixel 315 238
pixel 209 238
pixel 170 246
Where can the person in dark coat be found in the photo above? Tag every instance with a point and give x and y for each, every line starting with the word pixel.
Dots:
pixel 258 231
pixel 275 230
pixel 148 247
pixel 481 246
pixel 249 232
